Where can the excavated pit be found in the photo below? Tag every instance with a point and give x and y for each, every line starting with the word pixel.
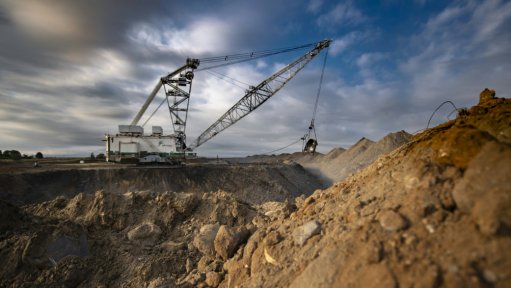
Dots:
pixel 254 184
pixel 113 226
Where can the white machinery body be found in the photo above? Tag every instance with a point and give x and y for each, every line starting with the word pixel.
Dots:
pixel 131 145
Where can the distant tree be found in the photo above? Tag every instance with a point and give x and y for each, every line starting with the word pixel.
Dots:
pixel 39 155
pixel 92 157
pixel 14 154
pixel 100 156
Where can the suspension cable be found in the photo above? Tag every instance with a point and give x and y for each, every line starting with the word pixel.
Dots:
pixel 244 57
pixel 312 128
pixel 154 112
pixel 223 78
pixel 320 85
pixel 249 55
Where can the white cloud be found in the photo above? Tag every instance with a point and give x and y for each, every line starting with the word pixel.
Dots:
pixel 449 14
pixel 205 35
pixel 489 17
pixel 340 44
pixel 368 59
pixel 314 6
pixel 452 63
pixel 344 13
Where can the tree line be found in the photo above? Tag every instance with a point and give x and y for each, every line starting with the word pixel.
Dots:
pixel 16 155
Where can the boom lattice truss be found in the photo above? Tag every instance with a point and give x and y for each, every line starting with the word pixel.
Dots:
pixel 257 95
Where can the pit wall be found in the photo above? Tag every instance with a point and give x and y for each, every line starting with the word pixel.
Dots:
pixel 254 184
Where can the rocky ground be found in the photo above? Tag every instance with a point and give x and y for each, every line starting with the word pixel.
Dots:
pixel 434 212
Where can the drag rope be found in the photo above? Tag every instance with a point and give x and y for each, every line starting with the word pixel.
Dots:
pixel 283 147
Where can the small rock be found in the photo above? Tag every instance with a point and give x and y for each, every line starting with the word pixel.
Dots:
pixel 276 210
pixel 410 182
pixel 391 221
pixel 204 262
pixel 147 232
pixel 189 265
pixel 172 246
pixel 204 241
pixel 306 231
pixel 185 202
pixel 228 240
pixel 489 276
pixel 213 279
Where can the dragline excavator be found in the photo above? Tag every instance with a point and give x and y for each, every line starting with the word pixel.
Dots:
pixel 132 145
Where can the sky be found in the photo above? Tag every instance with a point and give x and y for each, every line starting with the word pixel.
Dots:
pixel 72 71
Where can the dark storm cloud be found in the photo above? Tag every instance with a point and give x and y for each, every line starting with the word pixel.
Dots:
pixel 69 66
pixel 72 70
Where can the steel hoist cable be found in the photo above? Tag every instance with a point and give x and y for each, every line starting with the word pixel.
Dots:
pixel 312 129
pixel 244 57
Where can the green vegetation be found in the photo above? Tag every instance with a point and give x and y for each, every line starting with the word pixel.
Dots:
pixel 16 155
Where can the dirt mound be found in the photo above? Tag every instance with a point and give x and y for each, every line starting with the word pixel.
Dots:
pixel 340 163
pixel 433 213
pixel 334 153
pixel 109 239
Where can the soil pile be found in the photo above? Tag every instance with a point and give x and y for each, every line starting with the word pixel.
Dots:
pixel 435 212
pixel 109 240
pixel 360 155
pixel 338 163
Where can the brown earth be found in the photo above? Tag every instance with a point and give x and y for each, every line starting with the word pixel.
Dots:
pixel 433 213
pixel 252 183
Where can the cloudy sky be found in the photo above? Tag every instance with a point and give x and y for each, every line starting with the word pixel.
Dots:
pixel 72 71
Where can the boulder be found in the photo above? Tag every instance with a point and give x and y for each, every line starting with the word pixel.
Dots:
pixel 204 241
pixel 486 94
pixel 228 240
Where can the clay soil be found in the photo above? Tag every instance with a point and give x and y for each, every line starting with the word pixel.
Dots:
pixel 433 212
